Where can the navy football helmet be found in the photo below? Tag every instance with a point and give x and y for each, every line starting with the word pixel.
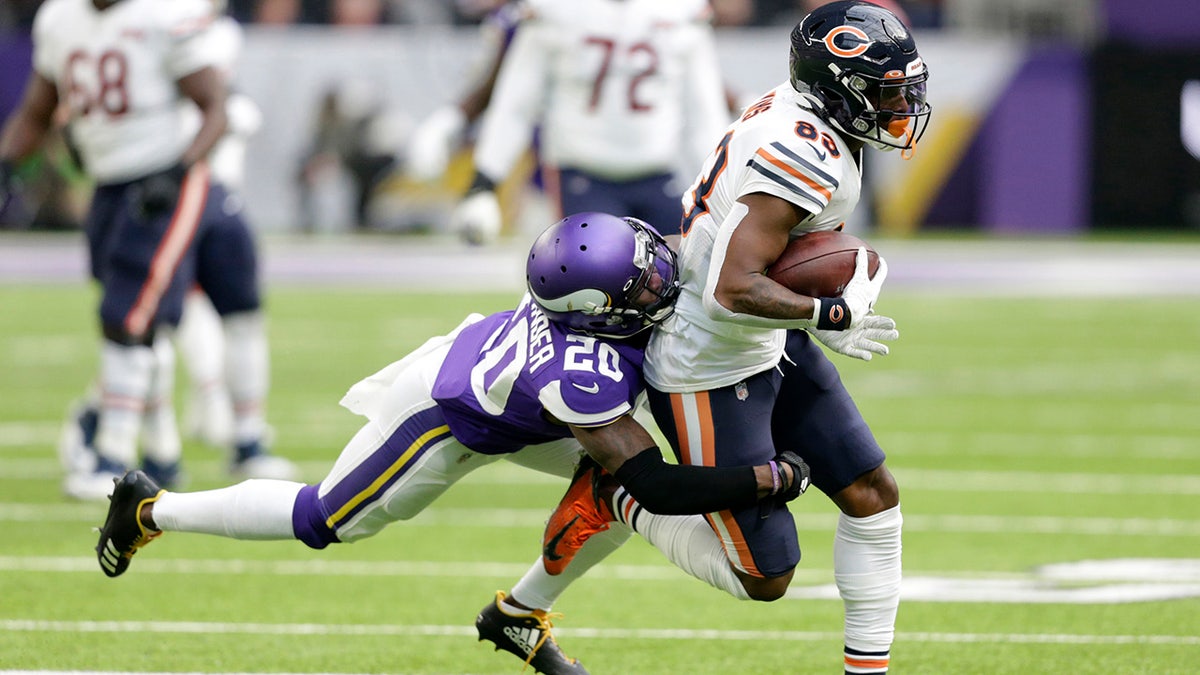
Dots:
pixel 862 65
pixel 603 275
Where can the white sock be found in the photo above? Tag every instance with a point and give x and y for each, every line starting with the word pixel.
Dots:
pixel 687 541
pixel 540 590
pixel 160 431
pixel 254 509
pixel 866 566
pixel 247 373
pixel 201 342
pixel 125 377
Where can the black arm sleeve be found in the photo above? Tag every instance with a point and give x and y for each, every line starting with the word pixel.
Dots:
pixel 671 489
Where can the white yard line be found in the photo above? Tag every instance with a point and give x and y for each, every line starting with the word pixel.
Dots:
pixel 401 630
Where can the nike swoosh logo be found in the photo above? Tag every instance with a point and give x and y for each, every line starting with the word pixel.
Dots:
pixel 594 389
pixel 548 551
pixel 820 155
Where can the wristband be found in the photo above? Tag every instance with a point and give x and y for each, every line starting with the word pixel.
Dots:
pixel 833 314
pixel 775 480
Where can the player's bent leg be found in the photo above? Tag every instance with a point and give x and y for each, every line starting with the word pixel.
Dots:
pixel 872 492
pixel 381 478
pixel 764 589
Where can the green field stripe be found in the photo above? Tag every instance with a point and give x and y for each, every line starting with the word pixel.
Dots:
pixel 1044 481
pixel 401 630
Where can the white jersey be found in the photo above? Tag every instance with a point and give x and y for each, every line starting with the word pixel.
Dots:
pixel 623 88
pixel 778 147
pixel 115 70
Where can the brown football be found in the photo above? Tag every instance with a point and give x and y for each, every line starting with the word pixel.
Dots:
pixel 820 264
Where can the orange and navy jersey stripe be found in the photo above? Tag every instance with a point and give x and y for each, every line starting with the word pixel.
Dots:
pixel 697 447
pixel 801 177
pixel 174 245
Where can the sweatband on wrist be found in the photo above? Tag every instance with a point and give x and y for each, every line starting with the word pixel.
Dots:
pixel 674 489
pixel 774 477
pixel 833 314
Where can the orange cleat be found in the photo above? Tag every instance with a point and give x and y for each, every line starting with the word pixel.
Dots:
pixel 580 514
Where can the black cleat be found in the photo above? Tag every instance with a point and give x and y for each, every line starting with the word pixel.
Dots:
pixel 123 533
pixel 527 637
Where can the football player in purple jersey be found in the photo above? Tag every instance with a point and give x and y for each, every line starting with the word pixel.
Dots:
pixel 541 385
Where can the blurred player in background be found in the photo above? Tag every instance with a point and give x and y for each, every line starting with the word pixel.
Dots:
pixel 445 130
pixel 736 374
pixel 539 386
pixel 209 410
pixel 628 94
pixel 121 72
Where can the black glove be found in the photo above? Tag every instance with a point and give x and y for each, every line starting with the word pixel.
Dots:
pixel 798 483
pixel 159 192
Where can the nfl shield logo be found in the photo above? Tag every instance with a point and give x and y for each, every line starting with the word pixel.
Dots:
pixel 741 391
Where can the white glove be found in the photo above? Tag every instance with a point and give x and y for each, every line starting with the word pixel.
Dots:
pixel 862 292
pixel 433 142
pixel 863 340
pixel 477 218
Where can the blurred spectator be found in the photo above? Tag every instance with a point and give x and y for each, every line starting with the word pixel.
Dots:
pixel 345 12
pixel 336 12
pixel 356 137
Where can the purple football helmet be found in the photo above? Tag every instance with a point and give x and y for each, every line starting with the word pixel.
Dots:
pixel 588 271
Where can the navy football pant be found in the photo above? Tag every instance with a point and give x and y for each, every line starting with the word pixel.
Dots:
pixel 146 265
pixel 655 199
pixel 802 406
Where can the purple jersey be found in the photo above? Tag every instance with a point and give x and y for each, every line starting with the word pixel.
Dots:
pixel 516 379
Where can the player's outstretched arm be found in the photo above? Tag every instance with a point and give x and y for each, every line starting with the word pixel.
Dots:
pixel 627 451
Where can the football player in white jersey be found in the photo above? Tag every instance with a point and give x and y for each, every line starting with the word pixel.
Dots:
pixel 627 93
pixel 119 71
pixel 736 372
